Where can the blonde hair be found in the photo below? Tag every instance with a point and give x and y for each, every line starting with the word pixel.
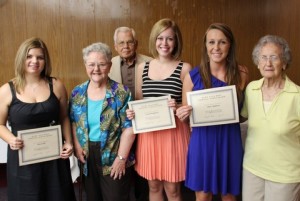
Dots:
pixel 158 28
pixel 21 56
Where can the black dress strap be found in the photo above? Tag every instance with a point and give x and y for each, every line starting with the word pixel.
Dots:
pixel 50 80
pixel 12 89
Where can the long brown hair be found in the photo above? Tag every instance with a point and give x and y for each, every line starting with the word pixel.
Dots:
pixel 232 76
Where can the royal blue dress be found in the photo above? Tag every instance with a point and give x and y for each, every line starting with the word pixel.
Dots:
pixel 215 153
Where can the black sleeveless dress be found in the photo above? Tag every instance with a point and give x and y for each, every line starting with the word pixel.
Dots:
pixel 45 181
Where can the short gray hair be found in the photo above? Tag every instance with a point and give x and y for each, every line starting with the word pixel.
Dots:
pixel 97 47
pixel 124 29
pixel 276 40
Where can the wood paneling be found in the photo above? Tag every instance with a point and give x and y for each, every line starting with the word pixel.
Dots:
pixel 282 18
pixel 67 26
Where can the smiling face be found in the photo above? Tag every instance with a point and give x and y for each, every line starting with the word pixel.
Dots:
pixel 217 46
pixel 126 45
pixel 97 67
pixel 35 61
pixel 270 63
pixel 165 42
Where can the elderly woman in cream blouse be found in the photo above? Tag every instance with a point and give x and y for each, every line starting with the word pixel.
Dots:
pixel 272 105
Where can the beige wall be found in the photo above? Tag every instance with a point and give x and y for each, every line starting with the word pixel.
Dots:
pixel 67 26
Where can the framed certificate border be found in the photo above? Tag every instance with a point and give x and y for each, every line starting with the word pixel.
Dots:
pixel 40 144
pixel 213 106
pixel 152 114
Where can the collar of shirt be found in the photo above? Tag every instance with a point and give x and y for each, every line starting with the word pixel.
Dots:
pixel 124 63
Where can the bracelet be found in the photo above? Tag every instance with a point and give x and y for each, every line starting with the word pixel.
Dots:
pixel 121 158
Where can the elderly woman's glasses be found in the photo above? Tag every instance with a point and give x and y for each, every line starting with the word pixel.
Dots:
pixel 271 58
pixel 100 65
pixel 126 43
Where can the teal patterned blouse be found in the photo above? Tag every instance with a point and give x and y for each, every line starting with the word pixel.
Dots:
pixel 112 120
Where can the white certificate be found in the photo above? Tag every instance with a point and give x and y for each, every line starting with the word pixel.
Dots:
pixel 152 114
pixel 40 144
pixel 213 106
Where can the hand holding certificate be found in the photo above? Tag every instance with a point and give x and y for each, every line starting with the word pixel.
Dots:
pixel 152 114
pixel 213 106
pixel 40 144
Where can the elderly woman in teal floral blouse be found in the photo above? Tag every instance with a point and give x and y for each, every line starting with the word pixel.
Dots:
pixel 102 134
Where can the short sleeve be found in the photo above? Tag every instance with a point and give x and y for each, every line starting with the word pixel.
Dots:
pixel 244 111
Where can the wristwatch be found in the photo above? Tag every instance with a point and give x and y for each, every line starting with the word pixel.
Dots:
pixel 121 158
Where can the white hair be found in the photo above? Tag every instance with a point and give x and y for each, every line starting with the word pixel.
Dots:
pixel 123 29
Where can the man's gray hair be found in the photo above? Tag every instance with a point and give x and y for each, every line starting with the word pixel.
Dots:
pixel 124 29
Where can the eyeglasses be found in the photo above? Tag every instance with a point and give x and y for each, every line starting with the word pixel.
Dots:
pixel 100 65
pixel 271 58
pixel 124 43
